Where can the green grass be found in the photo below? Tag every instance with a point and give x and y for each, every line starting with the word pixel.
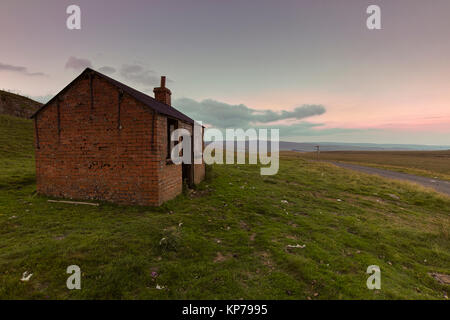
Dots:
pixel 433 164
pixel 228 239
pixel 16 151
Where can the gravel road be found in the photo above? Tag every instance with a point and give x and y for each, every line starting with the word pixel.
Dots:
pixel 438 185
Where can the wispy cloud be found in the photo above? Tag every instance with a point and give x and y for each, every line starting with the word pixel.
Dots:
pixel 138 74
pixel 134 73
pixel 19 69
pixel 78 64
pixel 107 70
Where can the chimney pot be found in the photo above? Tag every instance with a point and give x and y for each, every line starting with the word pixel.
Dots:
pixel 162 94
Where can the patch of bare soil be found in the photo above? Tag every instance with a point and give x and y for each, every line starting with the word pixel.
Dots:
pixel 265 256
pixel 220 257
pixel 244 226
pixel 199 193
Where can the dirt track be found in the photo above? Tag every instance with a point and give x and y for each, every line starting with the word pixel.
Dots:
pixel 438 185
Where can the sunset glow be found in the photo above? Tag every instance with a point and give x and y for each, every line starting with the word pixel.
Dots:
pixel 381 85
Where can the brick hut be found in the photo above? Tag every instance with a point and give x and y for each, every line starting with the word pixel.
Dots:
pixel 100 139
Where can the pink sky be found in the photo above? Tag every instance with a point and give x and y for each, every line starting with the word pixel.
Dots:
pixel 391 85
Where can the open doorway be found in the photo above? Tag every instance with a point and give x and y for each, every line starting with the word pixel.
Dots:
pixel 188 169
pixel 187 174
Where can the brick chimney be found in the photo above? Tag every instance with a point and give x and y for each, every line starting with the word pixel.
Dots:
pixel 162 94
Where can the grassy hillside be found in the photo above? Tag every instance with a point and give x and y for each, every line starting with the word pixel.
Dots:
pixel 228 239
pixel 16 105
pixel 434 164
pixel 16 151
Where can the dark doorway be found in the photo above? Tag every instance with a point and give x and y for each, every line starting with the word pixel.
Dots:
pixel 187 174
pixel 188 168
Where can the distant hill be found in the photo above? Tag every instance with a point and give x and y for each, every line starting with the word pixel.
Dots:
pixel 336 146
pixel 342 146
pixel 16 105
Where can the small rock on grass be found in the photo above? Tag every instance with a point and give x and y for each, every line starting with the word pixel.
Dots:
pixel 297 246
pixel 26 276
pixel 393 196
pixel 442 278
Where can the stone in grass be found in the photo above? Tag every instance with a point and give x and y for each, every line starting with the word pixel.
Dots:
pixel 297 246
pixel 26 276
pixel 442 278
pixel 393 196
pixel 220 257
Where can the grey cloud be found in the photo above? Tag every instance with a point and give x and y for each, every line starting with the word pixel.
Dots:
pixel 298 113
pixel 39 74
pixel 19 69
pixel 129 72
pixel 139 74
pixel 223 115
pixel 107 70
pixel 8 67
pixel 78 64
pixel 133 69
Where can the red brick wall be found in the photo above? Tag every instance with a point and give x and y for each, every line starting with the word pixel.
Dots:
pixel 199 173
pixel 91 158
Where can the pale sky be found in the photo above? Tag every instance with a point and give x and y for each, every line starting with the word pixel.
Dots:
pixel 250 58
